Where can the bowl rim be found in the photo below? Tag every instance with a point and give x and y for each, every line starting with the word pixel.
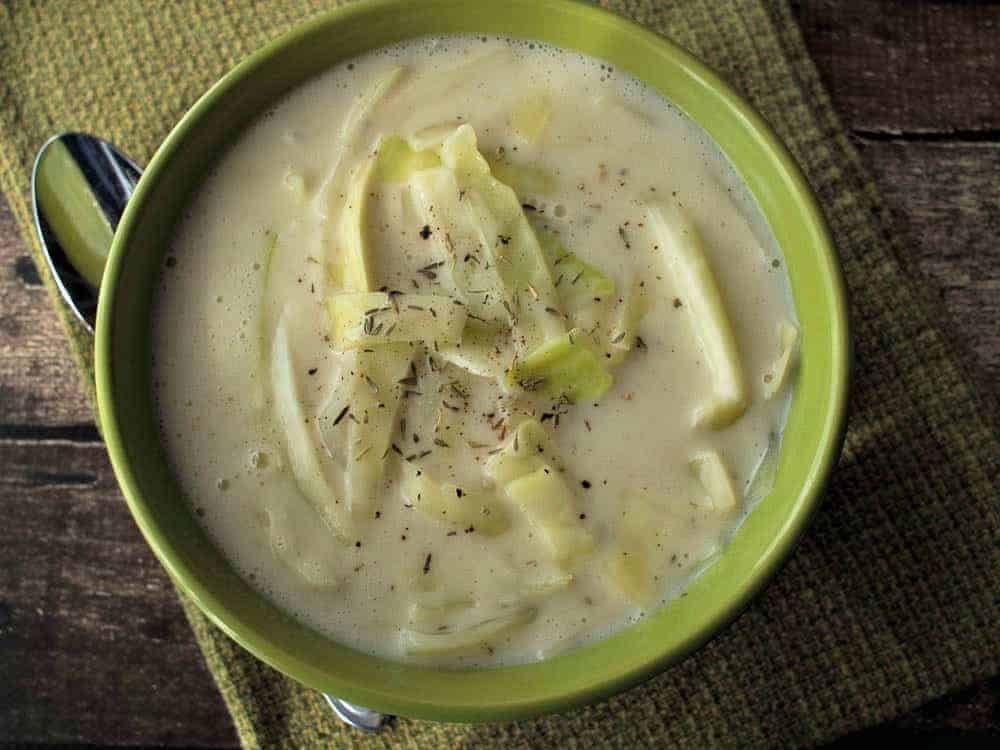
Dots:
pixel 352 687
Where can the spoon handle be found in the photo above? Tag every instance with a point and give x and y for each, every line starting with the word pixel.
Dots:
pixel 357 716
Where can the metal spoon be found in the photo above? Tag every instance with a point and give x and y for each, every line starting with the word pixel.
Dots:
pixel 79 187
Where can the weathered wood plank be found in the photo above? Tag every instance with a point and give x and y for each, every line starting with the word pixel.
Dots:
pixel 945 203
pixel 93 644
pixel 899 65
pixel 39 384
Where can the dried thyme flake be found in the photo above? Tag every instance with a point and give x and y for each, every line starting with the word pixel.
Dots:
pixel 624 236
pixel 532 383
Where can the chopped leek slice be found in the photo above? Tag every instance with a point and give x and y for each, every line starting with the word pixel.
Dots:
pixel 349 269
pixel 373 407
pixel 767 469
pixel 295 183
pixel 517 256
pixel 628 569
pixel 416 642
pixel 396 159
pixel 548 503
pixel 451 505
pixel 527 450
pixel 303 449
pixel 679 240
pixel 431 137
pixel 714 477
pixel 272 243
pixel 777 376
pixel 525 180
pixel 625 326
pixel 350 129
pixel 431 611
pixel 354 273
pixel 635 557
pixel 295 540
pixel 530 118
pixel 482 350
pixel 463 240
pixel 579 282
pixel 365 319
pixel 548 584
pixel 261 384
pixel 563 366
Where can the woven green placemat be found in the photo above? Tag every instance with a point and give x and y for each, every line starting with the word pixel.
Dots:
pixel 892 598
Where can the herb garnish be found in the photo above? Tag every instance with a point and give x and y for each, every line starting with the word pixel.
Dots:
pixel 624 236
pixel 531 383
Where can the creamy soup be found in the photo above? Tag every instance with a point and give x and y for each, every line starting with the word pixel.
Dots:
pixel 471 351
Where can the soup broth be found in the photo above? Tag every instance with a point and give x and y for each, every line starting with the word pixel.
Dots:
pixel 472 350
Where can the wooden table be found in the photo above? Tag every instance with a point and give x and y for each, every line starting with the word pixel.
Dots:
pixel 93 645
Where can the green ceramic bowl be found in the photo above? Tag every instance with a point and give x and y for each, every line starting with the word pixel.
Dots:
pixel 812 437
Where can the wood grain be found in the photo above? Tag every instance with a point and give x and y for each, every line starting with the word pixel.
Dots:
pixel 39 384
pixel 93 643
pixel 944 201
pixel 896 66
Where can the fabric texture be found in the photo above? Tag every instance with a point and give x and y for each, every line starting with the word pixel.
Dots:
pixel 891 599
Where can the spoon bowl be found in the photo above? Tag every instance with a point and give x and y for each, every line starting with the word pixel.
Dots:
pixel 80 186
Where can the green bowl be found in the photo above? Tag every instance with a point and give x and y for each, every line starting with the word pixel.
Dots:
pixel 812 437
